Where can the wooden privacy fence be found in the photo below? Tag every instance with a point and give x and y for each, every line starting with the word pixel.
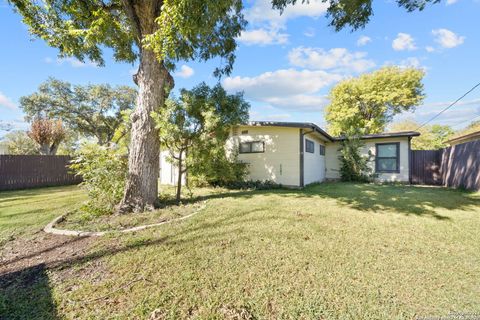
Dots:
pixel 22 171
pixel 457 166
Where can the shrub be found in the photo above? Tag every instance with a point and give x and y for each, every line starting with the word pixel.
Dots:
pixel 354 166
pixel 215 168
pixel 104 171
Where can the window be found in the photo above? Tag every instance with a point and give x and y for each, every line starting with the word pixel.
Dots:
pixel 387 157
pixel 252 147
pixel 309 146
pixel 322 150
pixel 244 131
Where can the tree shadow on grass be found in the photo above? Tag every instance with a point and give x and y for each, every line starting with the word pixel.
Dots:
pixel 26 294
pixel 377 198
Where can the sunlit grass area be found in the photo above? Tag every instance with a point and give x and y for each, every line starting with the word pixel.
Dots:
pixel 331 251
pixel 25 211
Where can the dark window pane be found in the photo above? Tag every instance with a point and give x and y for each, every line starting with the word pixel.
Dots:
pixel 309 146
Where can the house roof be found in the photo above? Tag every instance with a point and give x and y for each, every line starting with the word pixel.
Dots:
pixel 385 135
pixel 304 125
pixel 313 126
pixel 464 137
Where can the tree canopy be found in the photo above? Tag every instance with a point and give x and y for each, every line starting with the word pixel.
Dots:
pixel 90 110
pixel 19 143
pixel 196 125
pixel 432 137
pixel 369 102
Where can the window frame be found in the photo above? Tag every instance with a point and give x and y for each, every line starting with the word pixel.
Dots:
pixel 250 143
pixel 320 148
pixel 312 144
pixel 397 158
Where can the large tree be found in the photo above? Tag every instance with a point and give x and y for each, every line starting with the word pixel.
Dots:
pixel 194 126
pixel 159 33
pixel 432 137
pixel 369 102
pixel 90 110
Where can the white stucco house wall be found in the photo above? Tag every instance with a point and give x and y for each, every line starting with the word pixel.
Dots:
pixel 296 154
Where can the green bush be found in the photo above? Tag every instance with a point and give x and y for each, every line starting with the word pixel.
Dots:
pixel 104 171
pixel 354 166
pixel 214 167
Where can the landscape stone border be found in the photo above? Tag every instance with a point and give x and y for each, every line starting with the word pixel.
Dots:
pixel 50 228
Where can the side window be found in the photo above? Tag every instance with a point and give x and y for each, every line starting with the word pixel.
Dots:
pixel 322 150
pixel 252 147
pixel 309 146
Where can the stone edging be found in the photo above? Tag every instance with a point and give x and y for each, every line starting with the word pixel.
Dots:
pixel 50 228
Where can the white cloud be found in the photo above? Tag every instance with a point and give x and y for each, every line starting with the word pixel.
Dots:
pixel 286 88
pixel 403 41
pixel 310 32
pixel 263 36
pixel 447 38
pixel 277 117
pixel 430 49
pixel 74 62
pixel 261 11
pixel 411 62
pixel 337 58
pixel 267 23
pixel 7 102
pixel 185 72
pixel 363 40
pixel 450 2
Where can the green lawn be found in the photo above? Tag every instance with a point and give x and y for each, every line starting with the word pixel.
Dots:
pixel 330 251
pixel 26 211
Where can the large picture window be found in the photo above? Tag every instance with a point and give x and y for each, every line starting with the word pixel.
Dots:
pixel 252 147
pixel 387 157
pixel 309 146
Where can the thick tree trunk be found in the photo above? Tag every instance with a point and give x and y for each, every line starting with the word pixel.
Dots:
pixel 141 191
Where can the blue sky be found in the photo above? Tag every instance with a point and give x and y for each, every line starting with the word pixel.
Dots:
pixel 287 64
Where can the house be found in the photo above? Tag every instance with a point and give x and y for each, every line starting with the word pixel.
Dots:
pixel 465 138
pixel 296 154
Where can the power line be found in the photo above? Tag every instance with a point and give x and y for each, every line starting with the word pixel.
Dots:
pixel 449 106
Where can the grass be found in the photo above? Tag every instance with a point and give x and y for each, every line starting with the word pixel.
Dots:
pixel 331 251
pixel 26 211
pixel 85 221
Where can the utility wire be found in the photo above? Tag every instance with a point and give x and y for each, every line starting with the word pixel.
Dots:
pixel 449 106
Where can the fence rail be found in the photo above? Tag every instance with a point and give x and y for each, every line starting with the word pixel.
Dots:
pixel 30 171
pixel 457 166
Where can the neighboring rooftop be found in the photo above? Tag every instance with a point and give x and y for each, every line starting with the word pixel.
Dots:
pixel 465 138
pixel 310 125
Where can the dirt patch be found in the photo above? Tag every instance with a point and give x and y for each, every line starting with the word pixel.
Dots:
pixel 41 249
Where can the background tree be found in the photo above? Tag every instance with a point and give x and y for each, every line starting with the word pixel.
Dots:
pixel 370 101
pixel 91 110
pixel 471 128
pixel 196 125
pixel 432 137
pixel 47 134
pixel 159 33
pixel 18 142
